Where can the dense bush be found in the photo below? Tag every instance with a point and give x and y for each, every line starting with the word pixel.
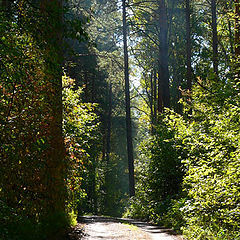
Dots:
pixel 212 177
pixel 160 177
pixel 23 125
pixel 204 204
pixel 80 128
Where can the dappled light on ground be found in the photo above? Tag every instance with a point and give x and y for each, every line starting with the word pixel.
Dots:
pixel 124 229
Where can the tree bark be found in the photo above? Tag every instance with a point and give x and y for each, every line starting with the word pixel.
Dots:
pixel 159 97
pixel 163 84
pixel 188 46
pixel 107 200
pixel 214 36
pixel 55 189
pixel 155 95
pixel 128 112
pixel 237 29
pixel 176 93
pixel 152 102
pixel 109 119
pixel 231 38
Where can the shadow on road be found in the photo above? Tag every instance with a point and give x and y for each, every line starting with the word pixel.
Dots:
pixel 147 227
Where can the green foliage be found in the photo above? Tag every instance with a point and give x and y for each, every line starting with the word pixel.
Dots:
pixel 97 65
pixel 205 148
pixel 29 77
pixel 112 188
pixel 23 121
pixel 164 173
pixel 159 183
pixel 174 216
pixel 212 179
pixel 80 127
pixel 17 226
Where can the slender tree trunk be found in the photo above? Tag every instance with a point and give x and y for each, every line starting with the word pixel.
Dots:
pixel 151 102
pixel 188 46
pixel 95 198
pixel 86 87
pixel 163 84
pixel 107 200
pixel 237 29
pixel 128 112
pixel 214 36
pixel 104 141
pixel 237 40
pixel 109 119
pixel 176 94
pixel 93 91
pixel 154 99
pixel 159 97
pixel 155 95
pixel 231 38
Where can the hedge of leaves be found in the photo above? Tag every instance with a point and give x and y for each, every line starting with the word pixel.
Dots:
pixel 81 132
pixel 212 181
pixel 160 176
pixel 206 147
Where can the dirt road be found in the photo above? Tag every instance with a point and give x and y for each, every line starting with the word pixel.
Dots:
pixel 99 228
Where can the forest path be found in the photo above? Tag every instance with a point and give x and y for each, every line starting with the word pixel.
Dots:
pixel 98 228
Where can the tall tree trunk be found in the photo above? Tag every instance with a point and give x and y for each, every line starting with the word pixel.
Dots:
pixel 231 38
pixel 155 95
pixel 109 119
pixel 176 93
pixel 151 101
pixel 95 197
pixel 163 84
pixel 107 200
pixel 188 51
pixel 214 36
pixel 104 141
pixel 159 97
pixel 188 46
pixel 128 112
pixel 237 40
pixel 93 90
pixel 154 109
pixel 237 29
pixel 55 192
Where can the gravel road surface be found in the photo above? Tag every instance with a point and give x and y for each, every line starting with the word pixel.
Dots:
pixel 99 228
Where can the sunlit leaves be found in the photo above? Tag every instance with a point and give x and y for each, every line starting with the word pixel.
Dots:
pixel 80 126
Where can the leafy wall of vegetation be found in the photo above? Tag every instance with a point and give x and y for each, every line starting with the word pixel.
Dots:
pixel 206 148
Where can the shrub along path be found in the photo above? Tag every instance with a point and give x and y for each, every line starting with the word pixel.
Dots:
pixel 97 228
